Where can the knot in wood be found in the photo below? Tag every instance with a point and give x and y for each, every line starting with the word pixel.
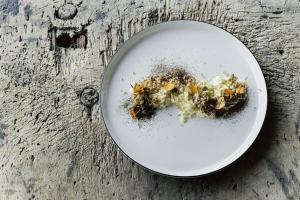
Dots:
pixel 67 11
pixel 64 40
pixel 89 96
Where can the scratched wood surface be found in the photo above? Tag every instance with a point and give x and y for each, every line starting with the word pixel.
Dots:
pixel 52 141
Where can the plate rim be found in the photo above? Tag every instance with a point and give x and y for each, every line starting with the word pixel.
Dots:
pixel 223 165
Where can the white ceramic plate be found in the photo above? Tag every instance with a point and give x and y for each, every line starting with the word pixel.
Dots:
pixel 163 144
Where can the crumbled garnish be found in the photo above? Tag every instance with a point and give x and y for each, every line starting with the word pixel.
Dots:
pixel 241 89
pixel 220 103
pixel 193 98
pixel 133 113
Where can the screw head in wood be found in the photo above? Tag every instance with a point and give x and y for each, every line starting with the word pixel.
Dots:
pixel 89 96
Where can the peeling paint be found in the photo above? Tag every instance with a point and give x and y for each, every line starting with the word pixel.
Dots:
pixel 281 177
pixel 2 134
pixel 8 7
pixel 72 165
pixel 100 15
pixel 27 11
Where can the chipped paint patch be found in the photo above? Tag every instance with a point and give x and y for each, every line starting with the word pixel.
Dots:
pixel 9 7
pixel 100 15
pixel 27 11
pixel 2 135
pixel 281 177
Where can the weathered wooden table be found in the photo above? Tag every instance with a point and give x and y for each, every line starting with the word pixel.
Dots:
pixel 52 142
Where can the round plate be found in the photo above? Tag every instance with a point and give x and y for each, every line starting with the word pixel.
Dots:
pixel 163 144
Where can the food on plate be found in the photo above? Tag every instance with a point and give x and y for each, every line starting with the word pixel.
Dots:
pixel 218 97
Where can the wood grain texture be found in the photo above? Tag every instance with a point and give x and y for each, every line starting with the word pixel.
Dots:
pixel 52 141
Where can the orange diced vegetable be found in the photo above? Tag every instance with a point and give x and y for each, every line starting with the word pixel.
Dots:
pixel 228 92
pixel 138 88
pixel 193 88
pixel 170 86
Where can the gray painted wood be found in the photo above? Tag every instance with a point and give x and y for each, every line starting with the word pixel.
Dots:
pixel 52 141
